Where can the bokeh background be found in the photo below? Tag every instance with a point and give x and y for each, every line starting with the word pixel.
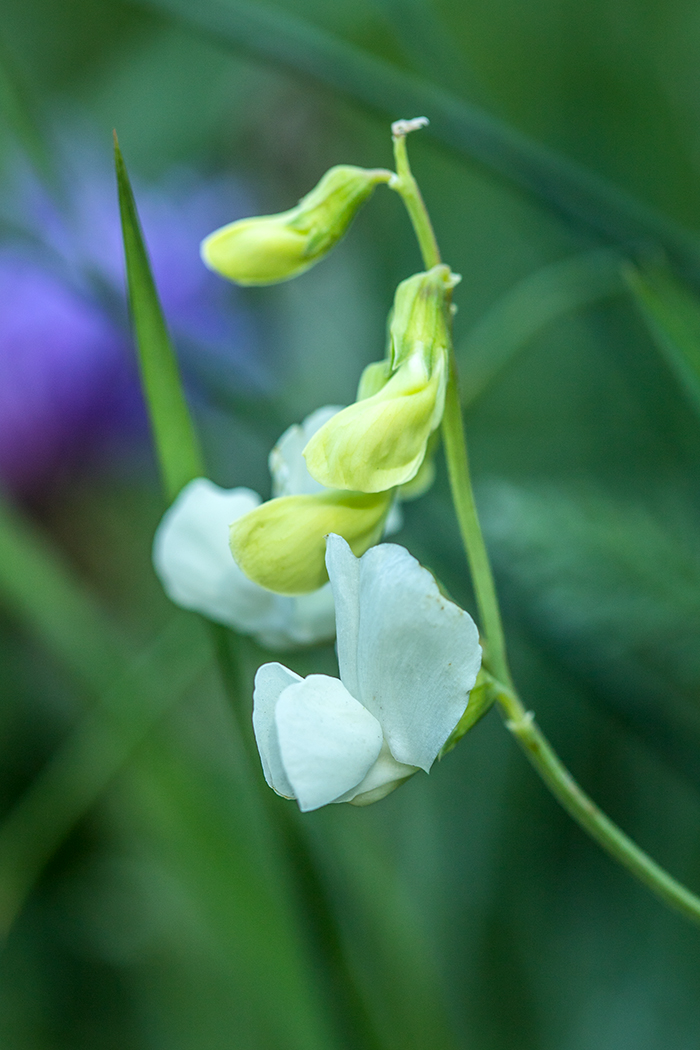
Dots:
pixel 153 892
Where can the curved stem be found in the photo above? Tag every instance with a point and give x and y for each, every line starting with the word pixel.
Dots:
pixel 405 185
pixel 576 802
pixel 518 720
pixel 470 529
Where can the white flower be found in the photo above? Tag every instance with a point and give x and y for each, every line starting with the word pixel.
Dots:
pixel 408 658
pixel 194 564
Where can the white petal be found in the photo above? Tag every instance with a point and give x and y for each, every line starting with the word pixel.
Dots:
pixel 312 618
pixel 270 682
pixel 328 741
pixel 344 574
pixel 417 654
pixel 385 775
pixel 192 558
pixel 306 619
pixel 287 465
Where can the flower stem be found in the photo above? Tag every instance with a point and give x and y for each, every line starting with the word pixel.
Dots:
pixel 576 802
pixel 470 529
pixel 405 185
pixel 518 720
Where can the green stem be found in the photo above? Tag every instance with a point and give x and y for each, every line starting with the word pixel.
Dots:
pixel 576 802
pixel 470 529
pixel 405 185
pixel 520 722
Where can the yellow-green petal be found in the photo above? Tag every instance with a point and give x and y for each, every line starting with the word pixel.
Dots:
pixel 380 442
pixel 281 545
pixel 271 248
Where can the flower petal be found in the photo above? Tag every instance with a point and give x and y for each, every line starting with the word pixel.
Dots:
pixel 270 682
pixel 344 572
pixel 327 740
pixel 287 464
pixel 192 558
pixel 380 442
pixel 384 777
pixel 406 652
pixel 281 545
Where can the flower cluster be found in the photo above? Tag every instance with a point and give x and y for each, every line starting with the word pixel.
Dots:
pixel 408 657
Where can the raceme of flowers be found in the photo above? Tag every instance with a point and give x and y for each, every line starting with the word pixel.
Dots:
pixel 408 657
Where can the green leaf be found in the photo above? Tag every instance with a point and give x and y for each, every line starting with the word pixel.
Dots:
pixel 176 442
pixel 566 187
pixel 672 315
pixel 528 308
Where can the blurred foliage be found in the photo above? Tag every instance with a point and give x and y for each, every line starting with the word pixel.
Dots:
pixel 161 895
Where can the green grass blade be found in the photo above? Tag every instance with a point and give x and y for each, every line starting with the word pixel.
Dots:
pixel 527 309
pixel 39 588
pixel 672 315
pixel 95 751
pixel 176 442
pixel 568 188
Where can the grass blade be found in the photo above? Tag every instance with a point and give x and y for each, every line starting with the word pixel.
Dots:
pixel 175 439
pixel 95 751
pixel 568 188
pixel 38 587
pixel 527 309
pixel 672 315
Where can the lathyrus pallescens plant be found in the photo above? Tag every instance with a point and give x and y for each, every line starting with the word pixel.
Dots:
pixel 408 657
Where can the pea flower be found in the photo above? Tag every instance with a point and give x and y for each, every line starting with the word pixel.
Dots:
pixel 381 441
pixel 272 248
pixel 193 562
pixel 408 659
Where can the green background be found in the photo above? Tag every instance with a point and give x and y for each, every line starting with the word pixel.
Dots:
pixel 156 894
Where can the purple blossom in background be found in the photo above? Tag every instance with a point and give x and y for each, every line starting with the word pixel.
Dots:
pixel 67 369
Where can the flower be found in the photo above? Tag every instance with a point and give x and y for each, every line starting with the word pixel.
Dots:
pixel 272 248
pixel 381 441
pixel 281 544
pixel 408 659
pixel 193 562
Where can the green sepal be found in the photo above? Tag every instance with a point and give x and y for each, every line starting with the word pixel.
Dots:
pixel 481 700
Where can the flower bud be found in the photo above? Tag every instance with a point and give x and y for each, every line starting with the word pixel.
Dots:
pixel 273 248
pixel 282 544
pixel 381 440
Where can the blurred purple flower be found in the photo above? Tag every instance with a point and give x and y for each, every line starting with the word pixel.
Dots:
pixel 67 369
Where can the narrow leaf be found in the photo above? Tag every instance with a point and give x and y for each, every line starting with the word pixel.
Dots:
pixel 672 315
pixel 38 587
pixel 529 308
pixel 175 438
pixel 87 761
pixel 579 195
